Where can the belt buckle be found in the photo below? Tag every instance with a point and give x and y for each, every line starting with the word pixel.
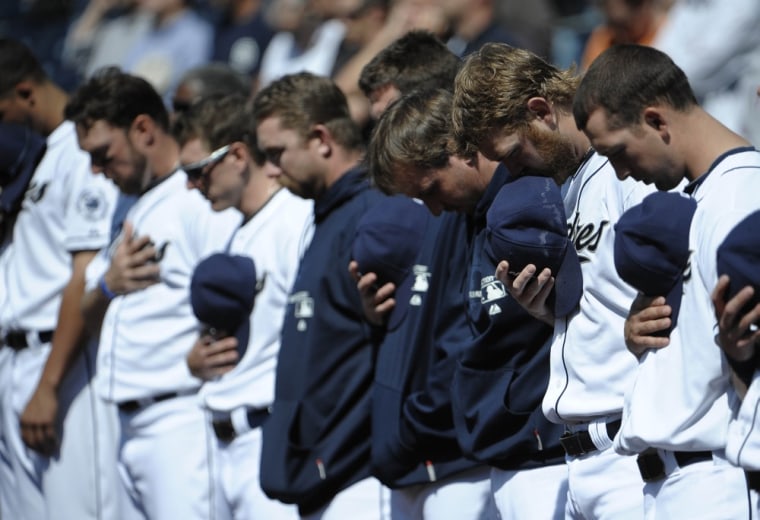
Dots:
pixel 651 466
pixel 224 430
pixel 571 443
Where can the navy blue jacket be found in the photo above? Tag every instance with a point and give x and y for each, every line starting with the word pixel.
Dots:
pixel 317 439
pixel 413 436
pixel 501 378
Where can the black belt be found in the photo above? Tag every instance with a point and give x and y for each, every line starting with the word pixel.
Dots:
pixel 225 431
pixel 652 467
pixel 134 405
pixel 16 339
pixel 580 443
pixel 753 480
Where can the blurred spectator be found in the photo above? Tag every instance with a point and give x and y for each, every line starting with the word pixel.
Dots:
pixel 625 21
pixel 305 41
pixel 207 80
pixel 717 44
pixel 363 19
pixel 404 16
pixel 242 36
pixel 531 22
pixel 42 26
pixel 103 33
pixel 474 23
pixel 177 41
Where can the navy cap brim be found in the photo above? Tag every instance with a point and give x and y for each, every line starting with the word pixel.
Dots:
pixel 403 297
pixel 568 283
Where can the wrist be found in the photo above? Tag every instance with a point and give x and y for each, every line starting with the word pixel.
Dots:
pixel 108 293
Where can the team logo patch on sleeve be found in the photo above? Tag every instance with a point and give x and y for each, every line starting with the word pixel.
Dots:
pixel 92 204
pixel 303 309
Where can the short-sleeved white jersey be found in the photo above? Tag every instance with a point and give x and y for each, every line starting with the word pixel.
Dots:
pixel 680 399
pixel 590 367
pixel 743 439
pixel 274 238
pixel 146 334
pixel 66 208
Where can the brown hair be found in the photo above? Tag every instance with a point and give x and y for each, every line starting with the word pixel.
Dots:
pixel 219 120
pixel 303 100
pixel 412 136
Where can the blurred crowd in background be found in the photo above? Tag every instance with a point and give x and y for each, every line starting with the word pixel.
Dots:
pixel 716 43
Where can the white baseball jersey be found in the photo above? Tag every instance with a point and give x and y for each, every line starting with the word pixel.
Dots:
pixel 66 209
pixel 743 441
pixel 274 238
pixel 590 367
pixel 680 399
pixel 146 334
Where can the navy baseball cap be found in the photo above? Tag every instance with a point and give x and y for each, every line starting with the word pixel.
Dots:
pixel 20 151
pixel 739 257
pixel 388 240
pixel 526 224
pixel 222 292
pixel 652 247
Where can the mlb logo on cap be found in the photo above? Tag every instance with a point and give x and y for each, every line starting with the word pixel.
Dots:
pixel 388 241
pixel 652 247
pixel 739 258
pixel 222 293
pixel 526 224
pixel 20 152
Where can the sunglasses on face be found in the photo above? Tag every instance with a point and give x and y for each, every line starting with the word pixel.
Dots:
pixel 99 156
pixel 197 169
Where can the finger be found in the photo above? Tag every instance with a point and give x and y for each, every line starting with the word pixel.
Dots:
pixel 353 270
pixel 752 316
pixel 522 280
pixel 384 292
pixel 749 340
pixel 543 293
pixel 366 283
pixel 747 323
pixel 145 255
pixel 653 313
pixel 536 285
pixel 646 328
pixel 147 272
pixel 48 440
pixel 227 357
pixel 127 232
pixel 502 273
pixel 139 243
pixel 733 308
pixel 718 295
pixel 385 307
pixel 220 346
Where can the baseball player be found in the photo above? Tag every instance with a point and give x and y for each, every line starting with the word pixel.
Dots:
pixel 637 108
pixel 515 108
pixel 50 420
pixel 410 153
pixel 735 299
pixel 316 442
pixel 137 296
pixel 238 390
pixel 414 445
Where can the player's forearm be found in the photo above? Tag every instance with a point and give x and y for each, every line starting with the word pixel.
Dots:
pixel 69 336
pixel 93 309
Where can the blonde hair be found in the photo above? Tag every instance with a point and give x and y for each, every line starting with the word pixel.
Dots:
pixel 492 90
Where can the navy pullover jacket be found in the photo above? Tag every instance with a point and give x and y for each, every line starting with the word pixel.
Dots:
pixel 413 436
pixel 501 378
pixel 317 439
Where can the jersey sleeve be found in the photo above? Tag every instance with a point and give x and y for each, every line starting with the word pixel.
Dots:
pixel 89 208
